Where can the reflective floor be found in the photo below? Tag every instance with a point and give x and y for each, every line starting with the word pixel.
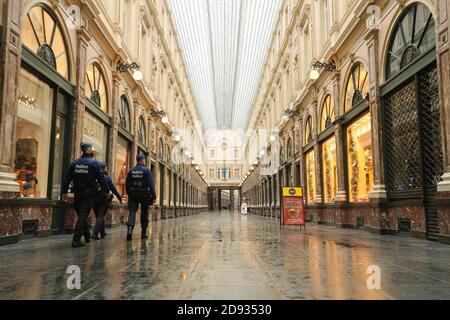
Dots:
pixel 226 256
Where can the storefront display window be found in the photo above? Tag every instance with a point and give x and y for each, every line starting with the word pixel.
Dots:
pixel 360 159
pixel 329 170
pixel 122 164
pixel 95 132
pixel 311 177
pixel 33 135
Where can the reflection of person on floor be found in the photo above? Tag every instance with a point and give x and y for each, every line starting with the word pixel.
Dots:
pixel 102 204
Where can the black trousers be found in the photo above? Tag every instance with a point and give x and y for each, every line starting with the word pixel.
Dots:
pixel 84 201
pixel 134 200
pixel 100 209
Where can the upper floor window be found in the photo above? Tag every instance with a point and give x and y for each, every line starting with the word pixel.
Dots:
pixel 124 114
pixel 42 34
pixel 357 86
pixel 414 35
pixel 96 87
pixel 328 115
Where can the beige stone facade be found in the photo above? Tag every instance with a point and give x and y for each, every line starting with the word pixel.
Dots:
pixel 358 137
pixel 79 95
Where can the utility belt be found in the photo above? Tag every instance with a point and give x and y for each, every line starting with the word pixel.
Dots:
pixel 87 187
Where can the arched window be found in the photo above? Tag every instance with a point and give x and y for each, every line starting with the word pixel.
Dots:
pixel 290 149
pixel 142 133
pixel 309 130
pixel 124 113
pixel 357 86
pixel 96 87
pixel 42 35
pixel 328 116
pixel 414 35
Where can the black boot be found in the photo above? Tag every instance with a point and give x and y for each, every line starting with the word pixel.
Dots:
pixel 77 244
pixel 144 234
pixel 95 237
pixel 130 233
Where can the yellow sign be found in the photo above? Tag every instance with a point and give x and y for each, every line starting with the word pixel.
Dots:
pixel 292 192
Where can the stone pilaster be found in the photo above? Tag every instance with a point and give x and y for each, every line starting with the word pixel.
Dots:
pixel 372 41
pixel 83 38
pixel 10 58
pixel 443 57
pixel 378 195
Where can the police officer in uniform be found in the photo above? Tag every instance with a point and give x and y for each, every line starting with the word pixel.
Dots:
pixel 86 175
pixel 141 191
pixel 102 204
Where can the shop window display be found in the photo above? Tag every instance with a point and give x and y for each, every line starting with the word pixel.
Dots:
pixel 360 159
pixel 96 133
pixel 122 164
pixel 329 170
pixel 33 135
pixel 311 177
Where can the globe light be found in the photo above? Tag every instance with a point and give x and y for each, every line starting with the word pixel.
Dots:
pixel 314 74
pixel 165 120
pixel 137 75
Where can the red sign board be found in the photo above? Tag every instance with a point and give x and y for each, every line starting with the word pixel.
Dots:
pixel 293 209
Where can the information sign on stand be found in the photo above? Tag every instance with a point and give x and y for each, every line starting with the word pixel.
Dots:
pixel 293 207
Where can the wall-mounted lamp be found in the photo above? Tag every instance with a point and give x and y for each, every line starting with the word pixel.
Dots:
pixel 137 75
pixel 327 66
pixel 293 113
pixel 158 114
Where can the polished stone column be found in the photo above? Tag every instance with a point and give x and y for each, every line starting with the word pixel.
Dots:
pixel 443 52
pixel 379 189
pixel 10 58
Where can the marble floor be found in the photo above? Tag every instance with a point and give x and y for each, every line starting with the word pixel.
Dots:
pixel 227 256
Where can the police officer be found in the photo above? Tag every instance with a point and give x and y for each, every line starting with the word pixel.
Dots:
pixel 85 173
pixel 141 191
pixel 102 204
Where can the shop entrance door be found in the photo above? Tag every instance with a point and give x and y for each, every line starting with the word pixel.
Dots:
pixel 413 143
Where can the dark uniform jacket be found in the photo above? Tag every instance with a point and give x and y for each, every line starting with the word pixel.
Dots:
pixel 140 180
pixel 85 173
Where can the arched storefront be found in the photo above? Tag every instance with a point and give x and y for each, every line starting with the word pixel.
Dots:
pixel 411 111
pixel 44 113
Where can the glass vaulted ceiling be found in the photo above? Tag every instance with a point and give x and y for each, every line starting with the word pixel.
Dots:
pixel 225 43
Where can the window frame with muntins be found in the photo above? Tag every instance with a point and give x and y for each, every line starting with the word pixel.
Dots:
pixel 356 111
pixel 97 108
pixel 329 174
pixel 41 64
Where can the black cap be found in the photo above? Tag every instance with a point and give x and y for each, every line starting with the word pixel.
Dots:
pixel 140 157
pixel 85 145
